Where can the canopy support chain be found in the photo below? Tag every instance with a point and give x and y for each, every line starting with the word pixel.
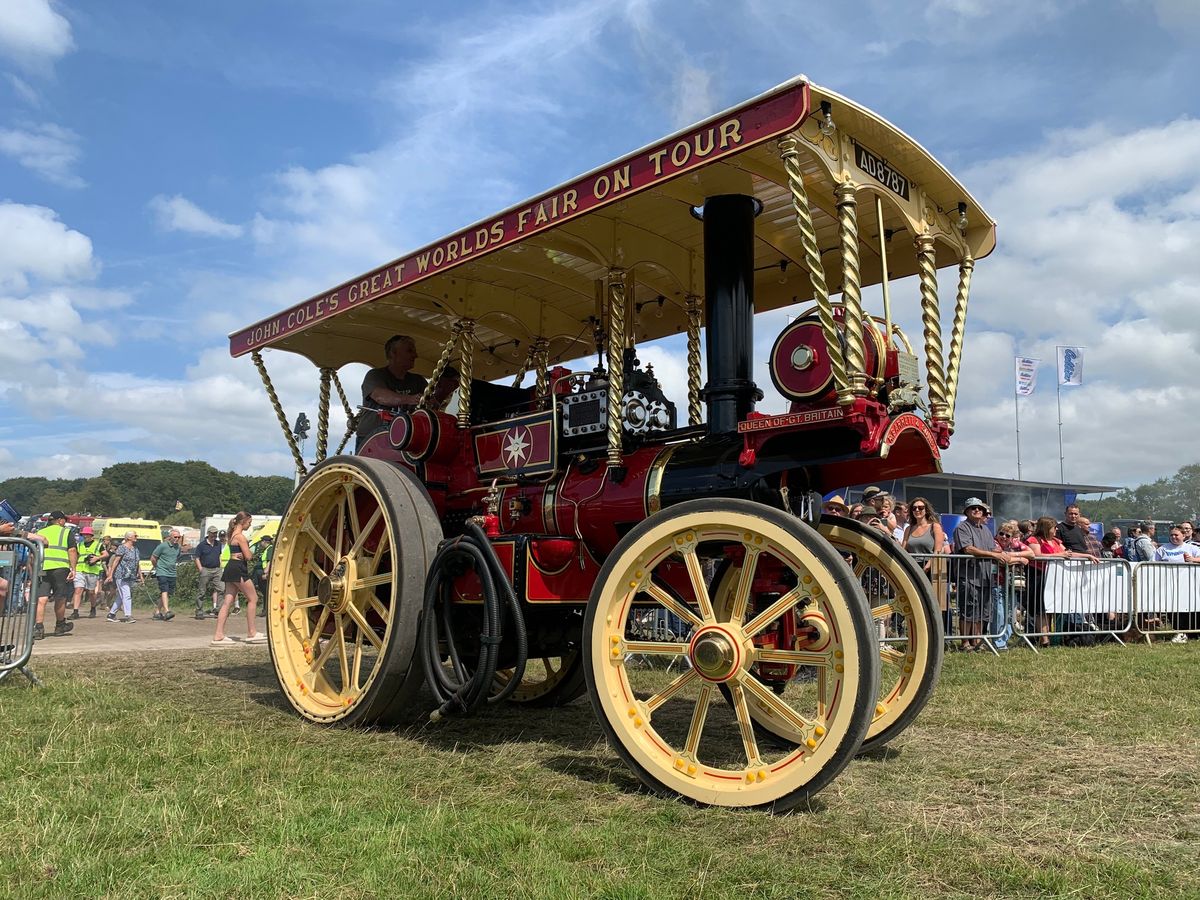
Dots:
pixel 693 358
pixel 351 418
pixel 323 415
pixel 278 407
pixel 932 322
pixel 856 363
pixel 443 360
pixel 541 361
pixel 466 363
pixel 616 362
pixel 789 151
pixel 965 268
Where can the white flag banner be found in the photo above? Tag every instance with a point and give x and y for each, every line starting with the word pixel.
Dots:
pixel 1070 365
pixel 1027 370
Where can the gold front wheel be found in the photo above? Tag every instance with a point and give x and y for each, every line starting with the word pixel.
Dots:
pixel 346 588
pixel 668 721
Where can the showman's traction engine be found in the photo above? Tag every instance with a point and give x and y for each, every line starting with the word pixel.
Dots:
pixel 566 532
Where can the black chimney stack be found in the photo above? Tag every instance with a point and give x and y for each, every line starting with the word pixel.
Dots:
pixel 729 309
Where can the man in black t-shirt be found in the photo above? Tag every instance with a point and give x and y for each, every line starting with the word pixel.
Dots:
pixel 1072 533
pixel 393 386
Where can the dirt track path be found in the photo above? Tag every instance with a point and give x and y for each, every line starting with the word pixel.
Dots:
pixel 181 633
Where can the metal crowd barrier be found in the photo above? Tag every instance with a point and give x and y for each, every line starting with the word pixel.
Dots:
pixel 975 595
pixel 1168 598
pixel 1074 601
pixel 20 562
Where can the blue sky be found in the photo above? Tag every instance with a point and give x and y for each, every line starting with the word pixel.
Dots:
pixel 170 172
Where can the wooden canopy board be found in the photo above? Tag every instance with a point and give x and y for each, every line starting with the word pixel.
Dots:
pixel 533 270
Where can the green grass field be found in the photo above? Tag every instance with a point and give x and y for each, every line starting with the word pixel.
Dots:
pixel 182 775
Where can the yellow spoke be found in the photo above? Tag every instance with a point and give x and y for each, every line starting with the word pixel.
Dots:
pixel 664 599
pixel 822 694
pixel 745 578
pixel 792 657
pixel 861 568
pixel 699 586
pixel 771 700
pixel 670 690
pixel 373 581
pixel 343 656
pixel 745 725
pixel 379 608
pixel 320 625
pixel 304 602
pixel 320 541
pixel 352 510
pixel 363 628
pixel 319 662
pixel 315 569
pixel 341 528
pixel 655 648
pixel 699 714
pixel 774 611
pixel 882 612
pixel 358 645
pixel 892 655
pixel 356 547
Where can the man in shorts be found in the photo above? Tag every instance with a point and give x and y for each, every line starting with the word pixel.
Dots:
pixel 88 572
pixel 59 557
pixel 208 566
pixel 163 562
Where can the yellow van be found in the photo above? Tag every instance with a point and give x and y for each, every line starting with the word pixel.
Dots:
pixel 268 528
pixel 149 535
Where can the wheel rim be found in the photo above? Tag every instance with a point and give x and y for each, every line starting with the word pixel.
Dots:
pixel 670 724
pixel 333 593
pixel 905 652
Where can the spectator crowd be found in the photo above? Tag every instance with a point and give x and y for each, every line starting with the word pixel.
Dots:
pixel 1019 550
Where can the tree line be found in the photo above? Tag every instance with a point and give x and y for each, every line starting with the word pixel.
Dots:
pixel 150 490
pixel 1176 498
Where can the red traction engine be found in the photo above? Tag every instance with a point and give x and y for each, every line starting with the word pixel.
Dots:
pixel 738 647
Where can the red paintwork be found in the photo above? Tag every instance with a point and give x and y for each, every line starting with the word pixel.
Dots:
pixel 570 581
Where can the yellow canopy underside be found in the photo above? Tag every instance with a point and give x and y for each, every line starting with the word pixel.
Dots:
pixel 546 284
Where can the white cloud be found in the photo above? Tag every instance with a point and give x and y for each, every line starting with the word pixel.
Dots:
pixel 33 32
pixel 24 91
pixel 180 214
pixel 47 149
pixel 35 244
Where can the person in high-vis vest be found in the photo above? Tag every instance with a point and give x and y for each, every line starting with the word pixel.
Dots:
pixel 88 571
pixel 59 557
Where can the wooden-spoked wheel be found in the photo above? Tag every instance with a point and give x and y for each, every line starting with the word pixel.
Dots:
pixel 345 591
pixel 548 681
pixel 663 720
pixel 907 620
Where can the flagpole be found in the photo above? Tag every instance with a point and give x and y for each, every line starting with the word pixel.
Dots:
pixel 1017 416
pixel 1062 471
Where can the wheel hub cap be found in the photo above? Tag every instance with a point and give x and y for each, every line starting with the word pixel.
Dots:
pixel 331 590
pixel 714 655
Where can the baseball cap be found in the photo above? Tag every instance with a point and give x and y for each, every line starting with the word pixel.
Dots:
pixel 212 529
pixel 871 492
pixel 57 514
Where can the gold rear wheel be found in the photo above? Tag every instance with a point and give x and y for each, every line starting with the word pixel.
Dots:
pixel 346 589
pixel 667 721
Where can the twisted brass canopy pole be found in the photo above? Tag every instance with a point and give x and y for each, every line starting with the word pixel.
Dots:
pixel 351 418
pixel 278 407
pixel 541 361
pixel 856 363
pixel 693 358
pixel 932 323
pixel 323 415
pixel 616 363
pixel 436 374
pixel 466 364
pixel 958 330
pixel 789 151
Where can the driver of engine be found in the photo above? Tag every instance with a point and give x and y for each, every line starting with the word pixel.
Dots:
pixel 395 387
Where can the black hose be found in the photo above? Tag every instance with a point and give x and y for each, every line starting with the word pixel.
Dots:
pixel 462 691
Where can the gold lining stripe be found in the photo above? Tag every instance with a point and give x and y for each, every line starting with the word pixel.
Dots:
pixel 650 501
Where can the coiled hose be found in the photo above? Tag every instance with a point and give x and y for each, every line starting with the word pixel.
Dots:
pixel 462 691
